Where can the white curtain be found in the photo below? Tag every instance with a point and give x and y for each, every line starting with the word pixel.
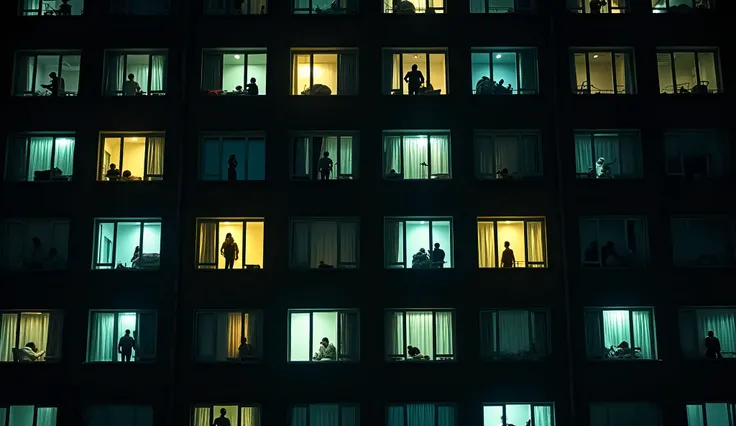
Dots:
pixel 534 244
pixel 64 155
pixel 115 74
pixel 202 416
pixel 158 73
pixel 155 160
pixel 346 155
pixel 695 416
pixel 324 414
pixel 486 245
pixel 394 333
pixel 218 335
pixel 625 413
pixel 40 155
pixel 420 414
pixel 642 333
pixel 102 337
pixel 514 332
pixel 391 154
pixel 323 243
pixel 616 328
pixel 46 416
pixel 439 151
pixel 584 156
pixel 347 74
pixel 485 157
pixel 419 330
pixel 543 416
pixel 250 416
pixel 34 328
pixel 348 244
pixel 8 335
pixel 723 324
pixel 444 332
pixel 208 250
pixel 416 157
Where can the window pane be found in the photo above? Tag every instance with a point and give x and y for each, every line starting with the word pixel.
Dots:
pixel 441 254
pixel 664 66
pixel 233 71
pixel 685 70
pixel 325 71
pixel 504 72
pixel 45 65
pixel 601 72
pixel 581 79
pixel 481 67
pixel 299 333
pixel 708 71
pixel 256 69
pixel 324 325
pixel 127 244
pixel 254 245
pixel 302 71
pixel 256 159
pixel 437 74
pixel 418 244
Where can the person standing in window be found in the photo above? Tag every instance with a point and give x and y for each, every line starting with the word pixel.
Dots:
pixel 507 258
pixel 325 166
pixel 125 346
pixel 131 87
pixel 232 165
pixel 252 87
pixel 712 346
pixel 65 9
pixel 222 420
pixel 438 256
pixel 414 80
pixel 56 87
pixel 245 350
pixel 113 173
pixel 229 251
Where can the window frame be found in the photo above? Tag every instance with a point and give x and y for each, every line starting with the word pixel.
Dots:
pixel 313 163
pixel 692 324
pixel 517 52
pixel 294 73
pixel 18 313
pixel 598 133
pixel 452 357
pixel 586 87
pixel 245 52
pixel 652 331
pixel 116 336
pixel 121 136
pixel 97 243
pixel 108 92
pixel 532 406
pixel 328 219
pixel 339 405
pixel 389 10
pixel 497 332
pixel 34 422
pixel 525 220
pixel 257 315
pixel 26 138
pixel 35 54
pixel 724 221
pixel 730 408
pixel 341 358
pixel 126 8
pixel 625 219
pixel 518 134
pixel 673 69
pixel 213 414
pixel 419 133
pixel 404 406
pixel 247 137
pixel 692 4
pixel 428 80
pixel 202 266
pixel 429 220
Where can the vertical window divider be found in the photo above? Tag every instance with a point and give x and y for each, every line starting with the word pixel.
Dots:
pixel 404 330
pixel 517 56
pixel 53 156
pixel 434 338
pixel 311 336
pixel 243 226
pixel 526 244
pixel 122 146
pixel 114 244
pixel 495 242
pixel 613 72
pixel 35 71
pixel 401 85
pixel 61 63
pixel 146 153
pixel 245 67
pixel 311 72
pixel 17 330
pixel 697 74
pixel 631 328
pixel 150 73
pixel 337 342
pixel 672 67
pixel 587 73
pixel 428 80
pixel 497 326
pixel 125 73
pixel 140 239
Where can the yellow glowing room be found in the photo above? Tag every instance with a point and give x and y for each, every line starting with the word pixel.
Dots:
pixel 131 157
pixel 526 239
pixel 230 243
pixel 327 72
pixel 398 76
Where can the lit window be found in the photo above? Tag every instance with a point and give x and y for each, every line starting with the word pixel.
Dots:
pixel 127 244
pixel 322 73
pixel 624 413
pixel 51 8
pixel 135 73
pixel 118 415
pixel 235 7
pixel 20 329
pixel 234 72
pixel 504 72
pixel 696 326
pixel 224 336
pixel 236 414
pixel 122 336
pixel 607 155
pixel 620 334
pixel 325 157
pixel 409 72
pixel 416 156
pixel 514 335
pixel 507 155
pixel 610 73
pixel 418 243
pixel 234 243
pixel 233 158
pixel 421 414
pixel 512 242
pixel 688 72
pixel 35 244
pixel 40 158
pixel 324 243
pixel 711 413
pixel 27 415
pixel 518 414
pixel 597 7
pixel 501 6
pixel 703 241
pixel 324 335
pixel 325 415
pixel 131 157
pixel 696 154
pixel 420 335
pixel 46 74
pixel 613 242
pixel 681 6
pixel 325 7
pixel 139 7
pixel 411 7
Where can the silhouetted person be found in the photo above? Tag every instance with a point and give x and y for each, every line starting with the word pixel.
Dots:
pixel 125 346
pixel 53 261
pixel 238 10
pixel 113 173
pixel 244 350
pixel 65 9
pixel 239 89
pixel 229 251
pixel 136 255
pixel 37 254
pixel 609 256
pixel 56 87
pixel 222 420
pixel 323 265
pixel 326 350
pixel 252 87
pixel 507 257
pixel 596 5
pixel 232 165
pixel 263 9
pixel 438 256
pixel 504 174
pixel 413 351
pixel 130 86
pixel 30 353
pixel 325 166
pixel 712 346
pixel 414 79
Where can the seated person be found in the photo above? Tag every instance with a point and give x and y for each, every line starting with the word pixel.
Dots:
pixel 323 265
pixel 420 259
pixel 245 350
pixel 393 175
pixel 414 352
pixel 128 176
pixel 504 174
pixel 623 350
pixel 327 351
pixel 239 90
pixel 47 174
pixel 29 354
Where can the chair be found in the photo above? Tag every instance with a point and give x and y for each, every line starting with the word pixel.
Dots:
pixel 16 355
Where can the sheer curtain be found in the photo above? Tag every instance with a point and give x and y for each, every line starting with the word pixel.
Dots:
pixel 302 154
pixel 202 416
pixel 158 73
pixel 722 323
pixel 419 330
pixel 212 72
pixel 234 333
pixel 348 244
pixel 543 416
pixel 485 157
pixel 420 414
pixel 34 328
pixel 155 160
pixel 323 243
pixel 64 155
pixel 324 414
pixel 534 244
pixel 440 155
pixel 300 245
pixel 517 154
pixel 486 245
pixel 445 333
pixel 616 328
pixel 642 333
pixel 391 154
pixel 115 74
pixel 630 156
pixel 488 333
pixel 416 153
pixel 347 74
pixel 394 333
pixel 346 156
pixel 208 245
pixel 102 337
pixel 583 154
pixel 594 344
pixel 445 416
pixel 607 146
pixel 625 413
pixel 514 332
pixel 8 335
pixel 46 416
pixel 40 155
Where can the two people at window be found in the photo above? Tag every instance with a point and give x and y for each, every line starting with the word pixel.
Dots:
pixel 113 175
pixel 414 352
pixel 485 86
pixel 712 346
pixel 125 346
pixel 503 422
pixel 434 259
pixel 56 87
pixel 230 251
pixel 326 351
pixel 250 88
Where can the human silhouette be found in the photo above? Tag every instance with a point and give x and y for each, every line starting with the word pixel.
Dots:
pixel 232 165
pixel 222 420
pixel 56 87
pixel 125 346
pixel 252 87
pixel 507 258
pixel 130 86
pixel 229 251
pixel 712 346
pixel 438 256
pixel 414 80
pixel 325 166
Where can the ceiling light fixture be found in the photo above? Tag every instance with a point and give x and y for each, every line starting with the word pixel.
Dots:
pixel 498 56
pixel 237 56
pixel 416 56
pixel 595 56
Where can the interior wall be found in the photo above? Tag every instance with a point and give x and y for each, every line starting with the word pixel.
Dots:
pixel 324 324
pixel 299 337
pixel 513 232
pixel 129 237
pixel 134 154
pixel 516 414
pixel 254 243
pixel 105 230
pixel 417 236
pixel 127 321
pixel 438 72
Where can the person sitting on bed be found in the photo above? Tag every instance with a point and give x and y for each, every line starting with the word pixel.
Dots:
pixel 327 351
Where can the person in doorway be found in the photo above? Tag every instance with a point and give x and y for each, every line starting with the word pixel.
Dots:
pixel 222 420
pixel 252 87
pixel 56 87
pixel 712 346
pixel 438 256
pixel 327 351
pixel 507 257
pixel 229 251
pixel 125 346
pixel 325 166
pixel 414 79
pixel 131 87
pixel 232 166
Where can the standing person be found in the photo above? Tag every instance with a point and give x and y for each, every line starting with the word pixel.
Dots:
pixel 712 346
pixel 229 251
pixel 414 79
pixel 232 165
pixel 125 346
pixel 325 166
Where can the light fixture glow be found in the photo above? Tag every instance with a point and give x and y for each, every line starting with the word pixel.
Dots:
pixel 595 56
pixel 508 221
pixel 134 139
pixel 421 222
pixel 226 223
pixel 237 56
pixel 416 56
pixel 498 56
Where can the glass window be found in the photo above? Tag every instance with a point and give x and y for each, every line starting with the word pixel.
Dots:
pixel 324 335
pixel 430 239
pixel 703 241
pixel 681 6
pixel 40 158
pixel 35 244
pixel 514 335
pixel 230 243
pixel 415 73
pixel 420 335
pixel 27 415
pixel 324 243
pixel 116 240
pixel 421 414
pixel 416 156
pixel 607 155
pixel 504 72
pixel 500 240
pixel 597 7
pixel 139 7
pixel 31 336
pixel 135 73
pixel 237 415
pixel 131 158
pixel 501 6
pixel 688 72
pixel 627 413
pixel 118 415
pixel 324 73
pixel 620 334
pixel 518 414
pixel 325 415
pixel 507 156
pixel 411 7
pixel 695 154
pixel 46 74
pixel 696 325
pixel 236 7
pixel 610 73
pixel 705 414
pixel 223 336
pixel 234 72
pixel 51 7
pixel 122 336
pixel 233 158
pixel 325 157
pixel 613 242
pixel 325 7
